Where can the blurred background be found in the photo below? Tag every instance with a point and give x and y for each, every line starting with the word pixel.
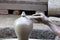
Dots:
pixel 54 8
pixel 10 10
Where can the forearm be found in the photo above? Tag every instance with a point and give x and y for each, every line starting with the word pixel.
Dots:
pixel 54 28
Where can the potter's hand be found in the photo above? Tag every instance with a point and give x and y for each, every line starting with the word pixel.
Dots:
pixel 42 18
pixel 55 28
pixel 47 21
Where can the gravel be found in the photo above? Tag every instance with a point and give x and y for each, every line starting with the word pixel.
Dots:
pixel 36 34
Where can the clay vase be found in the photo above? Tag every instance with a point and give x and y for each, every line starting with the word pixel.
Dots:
pixel 23 27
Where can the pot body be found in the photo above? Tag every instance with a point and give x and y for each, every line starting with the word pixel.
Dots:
pixel 23 27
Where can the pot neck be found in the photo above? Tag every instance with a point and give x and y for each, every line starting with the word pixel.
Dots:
pixel 23 14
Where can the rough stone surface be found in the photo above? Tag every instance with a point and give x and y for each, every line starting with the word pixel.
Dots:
pixel 7 33
pixel 42 34
pixel 36 34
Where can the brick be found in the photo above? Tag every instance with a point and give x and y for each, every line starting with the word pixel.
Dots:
pixel 3 11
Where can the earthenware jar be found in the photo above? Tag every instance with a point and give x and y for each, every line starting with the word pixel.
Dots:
pixel 23 27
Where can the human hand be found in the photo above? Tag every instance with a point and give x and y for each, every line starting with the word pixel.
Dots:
pixel 41 17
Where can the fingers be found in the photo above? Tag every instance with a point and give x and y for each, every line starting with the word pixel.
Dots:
pixel 39 14
pixel 42 14
pixel 36 14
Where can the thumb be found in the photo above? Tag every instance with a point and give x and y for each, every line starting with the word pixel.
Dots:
pixel 42 14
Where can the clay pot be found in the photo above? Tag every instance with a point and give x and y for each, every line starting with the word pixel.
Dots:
pixel 23 27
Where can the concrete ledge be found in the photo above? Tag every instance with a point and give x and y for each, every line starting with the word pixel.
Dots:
pixel 29 39
pixel 23 7
pixel 26 0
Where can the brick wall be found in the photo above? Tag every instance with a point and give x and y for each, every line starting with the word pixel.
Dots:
pixel 3 11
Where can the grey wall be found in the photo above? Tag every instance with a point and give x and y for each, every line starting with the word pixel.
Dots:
pixel 54 7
